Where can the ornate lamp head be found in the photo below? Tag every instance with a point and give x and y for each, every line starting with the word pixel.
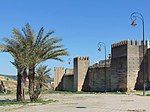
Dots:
pixel 99 49
pixel 134 23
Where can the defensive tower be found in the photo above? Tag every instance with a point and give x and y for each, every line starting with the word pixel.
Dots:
pixel 81 65
pixel 124 65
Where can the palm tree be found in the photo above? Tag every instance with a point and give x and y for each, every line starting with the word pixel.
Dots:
pixel 39 49
pixel 13 46
pixel 41 79
pixel 29 49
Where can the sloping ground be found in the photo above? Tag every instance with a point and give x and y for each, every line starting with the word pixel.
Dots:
pixel 9 83
pixel 2 78
pixel 13 77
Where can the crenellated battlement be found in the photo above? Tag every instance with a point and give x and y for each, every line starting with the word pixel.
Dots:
pixel 147 43
pixel 131 42
pixel 82 58
pixel 122 43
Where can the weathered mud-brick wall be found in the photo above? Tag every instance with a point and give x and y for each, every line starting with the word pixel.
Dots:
pixel 119 66
pixel 97 81
pixel 58 75
pixel 126 66
pixel 81 65
pixel 144 66
pixel 68 80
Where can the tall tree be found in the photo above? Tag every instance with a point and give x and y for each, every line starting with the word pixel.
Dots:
pixel 41 79
pixel 13 46
pixel 40 48
pixel 29 49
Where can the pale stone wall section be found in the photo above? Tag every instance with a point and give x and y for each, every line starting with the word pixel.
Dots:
pixel 97 79
pixel 126 65
pixel 68 80
pixel 58 75
pixel 81 65
pixel 119 66
pixel 132 64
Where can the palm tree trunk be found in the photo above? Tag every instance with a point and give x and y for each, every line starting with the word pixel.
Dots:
pixel 20 85
pixel 31 77
pixel 24 76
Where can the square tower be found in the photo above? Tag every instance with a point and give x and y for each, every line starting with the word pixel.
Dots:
pixel 81 65
pixel 124 65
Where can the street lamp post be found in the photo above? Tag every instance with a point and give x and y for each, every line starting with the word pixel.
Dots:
pixel 134 16
pixel 100 45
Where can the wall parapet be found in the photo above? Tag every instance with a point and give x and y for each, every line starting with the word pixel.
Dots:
pixel 131 42
pixel 69 71
pixel 122 43
pixel 82 58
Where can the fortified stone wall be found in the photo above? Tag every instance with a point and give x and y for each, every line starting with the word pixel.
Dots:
pixel 132 64
pixel 96 79
pixel 68 80
pixel 119 66
pixel 127 65
pixel 81 65
pixel 63 79
pixel 58 75
pixel 143 64
pixel 124 71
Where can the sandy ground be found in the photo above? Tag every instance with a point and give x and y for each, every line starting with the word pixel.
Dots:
pixel 84 103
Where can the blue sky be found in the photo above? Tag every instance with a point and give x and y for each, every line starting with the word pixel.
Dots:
pixel 80 23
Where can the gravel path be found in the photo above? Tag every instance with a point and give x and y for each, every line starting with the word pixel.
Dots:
pixel 84 103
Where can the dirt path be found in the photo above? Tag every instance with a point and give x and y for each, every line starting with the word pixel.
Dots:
pixel 86 103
